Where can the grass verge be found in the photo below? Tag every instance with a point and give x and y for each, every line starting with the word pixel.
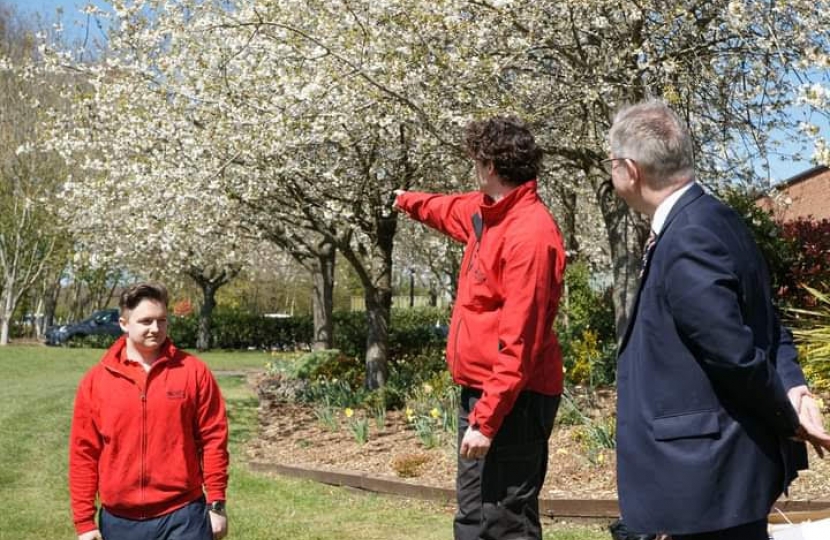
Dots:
pixel 35 410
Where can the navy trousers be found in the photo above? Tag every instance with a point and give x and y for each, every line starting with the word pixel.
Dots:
pixel 190 522
pixel 498 496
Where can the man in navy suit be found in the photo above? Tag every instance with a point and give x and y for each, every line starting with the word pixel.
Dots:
pixel 711 403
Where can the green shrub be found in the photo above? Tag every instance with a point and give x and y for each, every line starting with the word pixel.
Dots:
pixel 411 331
pixel 390 397
pixel 232 329
pixel 585 328
pixel 317 363
pixel 99 341
pixel 812 333
pixel 183 331
pixel 777 250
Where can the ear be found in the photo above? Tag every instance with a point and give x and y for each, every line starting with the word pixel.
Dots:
pixel 122 322
pixel 634 172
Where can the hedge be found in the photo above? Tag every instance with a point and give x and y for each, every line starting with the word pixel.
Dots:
pixel 411 332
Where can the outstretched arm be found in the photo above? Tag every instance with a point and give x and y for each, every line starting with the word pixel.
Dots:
pixel 449 214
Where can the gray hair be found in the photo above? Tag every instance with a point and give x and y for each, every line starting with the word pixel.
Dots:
pixel 651 134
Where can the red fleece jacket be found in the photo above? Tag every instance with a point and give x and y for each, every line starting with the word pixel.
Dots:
pixel 501 338
pixel 146 443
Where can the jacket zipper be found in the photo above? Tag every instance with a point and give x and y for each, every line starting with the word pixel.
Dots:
pixel 455 347
pixel 473 256
pixel 143 445
pixel 453 360
pixel 144 437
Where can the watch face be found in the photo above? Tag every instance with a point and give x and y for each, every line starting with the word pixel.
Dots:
pixel 217 506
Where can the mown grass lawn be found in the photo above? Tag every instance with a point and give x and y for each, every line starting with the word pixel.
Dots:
pixel 36 394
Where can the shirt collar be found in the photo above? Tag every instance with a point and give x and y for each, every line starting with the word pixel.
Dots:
pixel 665 207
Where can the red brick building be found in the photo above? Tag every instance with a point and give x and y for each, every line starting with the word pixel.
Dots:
pixel 804 195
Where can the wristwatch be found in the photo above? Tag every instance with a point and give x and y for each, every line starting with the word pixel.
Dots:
pixel 217 507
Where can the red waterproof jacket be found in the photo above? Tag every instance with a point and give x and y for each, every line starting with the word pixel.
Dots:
pixel 146 443
pixel 501 338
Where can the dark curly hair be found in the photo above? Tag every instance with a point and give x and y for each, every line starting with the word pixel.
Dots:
pixel 506 142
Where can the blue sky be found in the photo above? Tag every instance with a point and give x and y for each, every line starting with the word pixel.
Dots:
pixel 75 23
pixel 781 168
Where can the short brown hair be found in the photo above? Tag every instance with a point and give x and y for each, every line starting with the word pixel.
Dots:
pixel 134 294
pixel 507 143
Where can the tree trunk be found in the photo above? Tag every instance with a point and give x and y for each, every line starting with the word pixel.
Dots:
pixel 38 320
pixel 50 304
pixel 375 273
pixel 378 315
pixel 205 313
pixel 625 234
pixel 4 330
pixel 567 220
pixel 7 303
pixel 322 302
pixel 209 280
pixel 6 312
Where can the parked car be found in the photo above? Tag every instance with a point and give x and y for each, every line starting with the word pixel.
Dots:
pixel 101 322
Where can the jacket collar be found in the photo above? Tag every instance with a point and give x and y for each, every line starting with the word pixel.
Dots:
pixel 112 358
pixel 691 194
pixel 492 211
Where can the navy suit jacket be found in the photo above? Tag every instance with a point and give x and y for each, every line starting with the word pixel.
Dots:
pixel 703 418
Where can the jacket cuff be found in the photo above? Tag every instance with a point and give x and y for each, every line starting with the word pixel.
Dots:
pixel 215 495
pixel 85 526
pixel 484 427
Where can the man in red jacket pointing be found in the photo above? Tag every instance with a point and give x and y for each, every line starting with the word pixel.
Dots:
pixel 149 436
pixel 501 346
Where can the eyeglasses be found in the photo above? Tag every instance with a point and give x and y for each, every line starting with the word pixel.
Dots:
pixel 608 164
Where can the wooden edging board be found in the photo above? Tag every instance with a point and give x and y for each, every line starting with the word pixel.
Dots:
pixel 795 511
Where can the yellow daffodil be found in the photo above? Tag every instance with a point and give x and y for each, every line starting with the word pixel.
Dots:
pixel 435 413
pixel 348 412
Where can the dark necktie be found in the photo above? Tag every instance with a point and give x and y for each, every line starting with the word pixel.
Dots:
pixel 647 250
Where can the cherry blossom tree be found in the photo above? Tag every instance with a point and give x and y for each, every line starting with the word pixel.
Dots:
pixel 146 196
pixel 309 113
pixel 30 241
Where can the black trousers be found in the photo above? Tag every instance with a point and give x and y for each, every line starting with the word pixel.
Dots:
pixel 498 496
pixel 757 530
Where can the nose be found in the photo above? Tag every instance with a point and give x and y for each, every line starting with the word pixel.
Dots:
pixel 154 326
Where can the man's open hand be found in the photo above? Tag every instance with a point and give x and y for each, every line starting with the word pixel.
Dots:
pixel 474 445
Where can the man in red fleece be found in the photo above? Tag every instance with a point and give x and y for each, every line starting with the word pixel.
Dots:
pixel 149 436
pixel 501 346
